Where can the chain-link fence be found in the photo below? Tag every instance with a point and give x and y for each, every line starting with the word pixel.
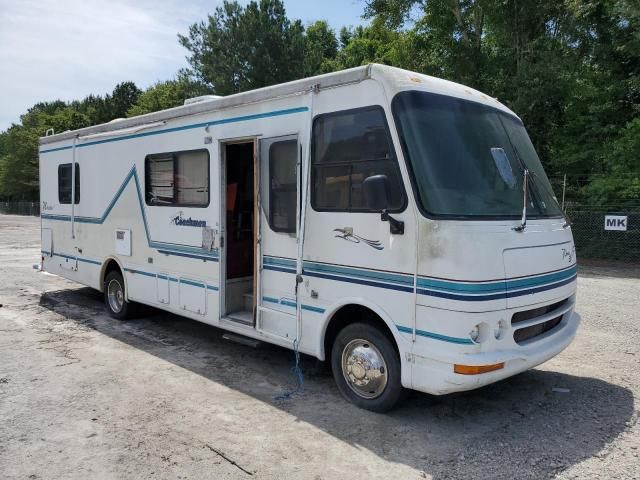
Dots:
pixel 606 228
pixel 20 208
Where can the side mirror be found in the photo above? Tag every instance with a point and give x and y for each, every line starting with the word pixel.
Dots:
pixel 375 192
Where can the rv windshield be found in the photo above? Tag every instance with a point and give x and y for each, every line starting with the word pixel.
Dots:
pixel 468 159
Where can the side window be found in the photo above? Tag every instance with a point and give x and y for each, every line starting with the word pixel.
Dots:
pixel 349 147
pixel 177 179
pixel 283 157
pixel 64 184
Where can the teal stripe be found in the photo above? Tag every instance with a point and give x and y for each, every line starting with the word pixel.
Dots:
pixel 461 287
pixel 70 257
pixel 172 279
pixel 288 303
pixel 542 279
pixel 436 336
pixel 211 123
pixel 311 308
pixel 283 262
pixel 427 283
pixel 402 279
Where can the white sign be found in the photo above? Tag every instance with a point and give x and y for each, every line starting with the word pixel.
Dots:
pixel 615 222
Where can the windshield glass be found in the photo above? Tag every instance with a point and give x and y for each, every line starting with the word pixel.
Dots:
pixel 468 159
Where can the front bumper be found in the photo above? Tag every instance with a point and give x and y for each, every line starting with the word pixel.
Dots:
pixel 436 376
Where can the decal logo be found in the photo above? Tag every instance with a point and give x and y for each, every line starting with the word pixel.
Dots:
pixel 46 206
pixel 569 253
pixel 180 221
pixel 347 234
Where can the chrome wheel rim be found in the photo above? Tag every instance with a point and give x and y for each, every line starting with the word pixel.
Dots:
pixel 364 368
pixel 115 296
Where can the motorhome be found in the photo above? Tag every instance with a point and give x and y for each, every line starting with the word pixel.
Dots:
pixel 396 225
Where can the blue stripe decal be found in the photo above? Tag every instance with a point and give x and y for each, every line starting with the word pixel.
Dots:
pixel 243 118
pixel 369 283
pixel 172 279
pixel 283 262
pixel 436 336
pixel 70 257
pixel 449 289
pixel 212 258
pixel 543 288
pixel 360 273
pixel 278 269
pixel 169 248
pixel 311 308
pixel 292 304
pixel 534 281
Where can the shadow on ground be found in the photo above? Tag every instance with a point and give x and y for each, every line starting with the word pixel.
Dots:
pixel 520 421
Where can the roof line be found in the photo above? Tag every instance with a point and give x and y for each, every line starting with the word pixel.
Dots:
pixel 352 75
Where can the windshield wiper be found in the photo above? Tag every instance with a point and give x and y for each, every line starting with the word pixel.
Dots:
pixel 525 194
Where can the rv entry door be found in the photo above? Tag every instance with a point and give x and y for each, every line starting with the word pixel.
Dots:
pixel 279 195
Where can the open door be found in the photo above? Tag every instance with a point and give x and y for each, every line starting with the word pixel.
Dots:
pixel 278 199
pixel 240 231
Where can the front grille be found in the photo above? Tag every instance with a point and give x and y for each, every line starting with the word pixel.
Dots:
pixel 536 312
pixel 527 333
pixel 521 335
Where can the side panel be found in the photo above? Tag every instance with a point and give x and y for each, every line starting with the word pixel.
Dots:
pixel 165 243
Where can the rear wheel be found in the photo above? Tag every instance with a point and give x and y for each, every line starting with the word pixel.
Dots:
pixel 115 297
pixel 366 367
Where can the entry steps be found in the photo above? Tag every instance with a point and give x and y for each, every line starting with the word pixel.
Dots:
pixel 245 317
pixel 242 340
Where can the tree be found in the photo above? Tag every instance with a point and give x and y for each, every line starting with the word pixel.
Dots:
pixel 167 94
pixel 242 48
pixel 19 144
pixel 321 49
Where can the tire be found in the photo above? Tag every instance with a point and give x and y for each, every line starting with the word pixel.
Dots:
pixel 115 296
pixel 366 368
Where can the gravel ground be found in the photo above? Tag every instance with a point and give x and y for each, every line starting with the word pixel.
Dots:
pixel 84 396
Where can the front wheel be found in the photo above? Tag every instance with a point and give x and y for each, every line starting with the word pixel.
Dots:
pixel 366 367
pixel 114 296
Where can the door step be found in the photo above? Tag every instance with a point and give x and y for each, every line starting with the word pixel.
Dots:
pixel 245 317
pixel 249 342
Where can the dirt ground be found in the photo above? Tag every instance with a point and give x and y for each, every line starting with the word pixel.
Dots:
pixel 84 396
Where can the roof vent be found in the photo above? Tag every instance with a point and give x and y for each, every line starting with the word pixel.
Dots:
pixel 202 98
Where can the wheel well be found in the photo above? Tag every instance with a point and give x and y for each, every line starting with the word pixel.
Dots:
pixel 353 314
pixel 110 266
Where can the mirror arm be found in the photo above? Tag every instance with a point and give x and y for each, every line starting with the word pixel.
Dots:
pixel 395 226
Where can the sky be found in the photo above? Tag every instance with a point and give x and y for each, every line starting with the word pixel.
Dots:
pixel 68 49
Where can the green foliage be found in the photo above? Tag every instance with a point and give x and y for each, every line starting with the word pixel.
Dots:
pixel 320 49
pixel 242 48
pixel 19 144
pixel 168 94
pixel 569 68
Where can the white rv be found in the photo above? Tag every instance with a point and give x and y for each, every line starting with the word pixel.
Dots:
pixel 397 225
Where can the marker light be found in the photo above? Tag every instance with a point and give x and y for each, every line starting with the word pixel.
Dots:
pixel 476 369
pixel 474 333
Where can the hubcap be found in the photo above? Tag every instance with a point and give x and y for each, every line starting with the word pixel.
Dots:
pixel 115 295
pixel 364 368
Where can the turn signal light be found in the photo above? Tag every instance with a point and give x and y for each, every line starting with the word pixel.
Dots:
pixel 476 369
